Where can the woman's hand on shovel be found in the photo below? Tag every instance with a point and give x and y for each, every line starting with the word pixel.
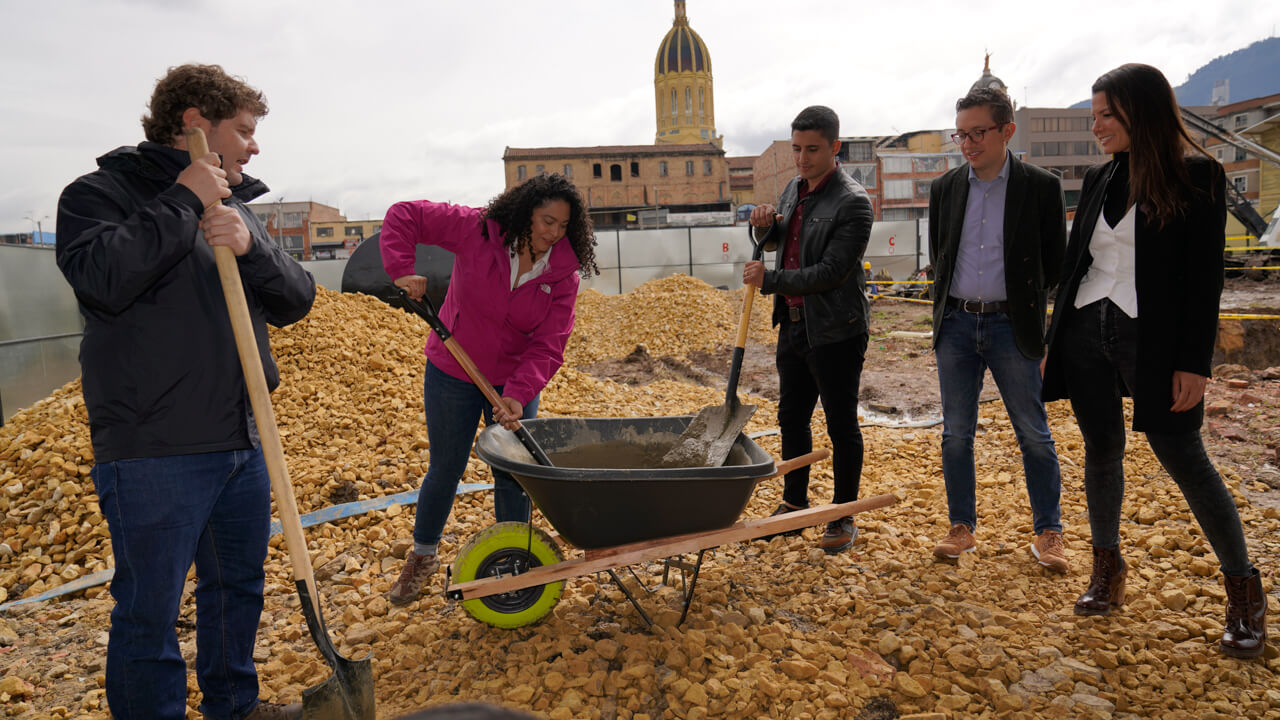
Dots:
pixel 508 414
pixel 415 285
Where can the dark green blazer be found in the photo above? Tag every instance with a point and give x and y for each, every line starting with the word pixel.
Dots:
pixel 1035 239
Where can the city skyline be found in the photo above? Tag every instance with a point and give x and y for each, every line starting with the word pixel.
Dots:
pixel 410 100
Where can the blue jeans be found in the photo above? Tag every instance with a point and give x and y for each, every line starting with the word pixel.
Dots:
pixel 164 513
pixel 1100 343
pixel 969 343
pixel 454 408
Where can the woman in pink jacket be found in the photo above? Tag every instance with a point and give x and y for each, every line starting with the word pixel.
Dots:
pixel 510 306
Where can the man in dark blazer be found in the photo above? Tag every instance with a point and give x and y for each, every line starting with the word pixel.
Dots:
pixel 996 240
pixel 819 230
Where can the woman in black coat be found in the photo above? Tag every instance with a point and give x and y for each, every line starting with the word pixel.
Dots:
pixel 1137 316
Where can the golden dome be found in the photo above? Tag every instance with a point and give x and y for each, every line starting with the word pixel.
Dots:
pixel 681 50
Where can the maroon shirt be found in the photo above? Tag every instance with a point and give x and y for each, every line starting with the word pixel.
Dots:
pixel 791 251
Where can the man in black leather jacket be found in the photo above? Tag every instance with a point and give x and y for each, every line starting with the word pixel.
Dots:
pixel 177 466
pixel 819 231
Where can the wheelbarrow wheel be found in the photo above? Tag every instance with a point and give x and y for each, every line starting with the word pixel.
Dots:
pixel 501 551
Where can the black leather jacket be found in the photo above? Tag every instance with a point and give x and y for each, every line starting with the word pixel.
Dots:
pixel 837 226
pixel 158 360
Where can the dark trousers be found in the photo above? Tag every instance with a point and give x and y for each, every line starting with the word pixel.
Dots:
pixel 805 374
pixel 1100 343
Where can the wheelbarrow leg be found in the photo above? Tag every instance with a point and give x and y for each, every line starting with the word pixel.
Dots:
pixel 693 584
pixel 635 603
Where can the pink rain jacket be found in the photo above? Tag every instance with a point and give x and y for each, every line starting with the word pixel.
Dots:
pixel 516 337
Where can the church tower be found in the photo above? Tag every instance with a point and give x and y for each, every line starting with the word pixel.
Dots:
pixel 988 80
pixel 682 86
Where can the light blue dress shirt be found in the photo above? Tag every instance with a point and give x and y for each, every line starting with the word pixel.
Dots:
pixel 979 271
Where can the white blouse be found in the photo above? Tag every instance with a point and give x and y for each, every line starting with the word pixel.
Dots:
pixel 1111 275
pixel 538 267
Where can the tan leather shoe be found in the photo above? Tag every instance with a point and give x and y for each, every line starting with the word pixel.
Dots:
pixel 1050 551
pixel 958 541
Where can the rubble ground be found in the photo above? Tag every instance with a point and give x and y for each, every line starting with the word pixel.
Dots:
pixel 777 629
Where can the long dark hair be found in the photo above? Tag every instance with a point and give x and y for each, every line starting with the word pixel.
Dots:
pixel 513 211
pixel 1145 104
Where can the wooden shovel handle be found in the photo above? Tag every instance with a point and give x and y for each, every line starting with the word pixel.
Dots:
pixel 744 323
pixel 260 399
pixel 800 461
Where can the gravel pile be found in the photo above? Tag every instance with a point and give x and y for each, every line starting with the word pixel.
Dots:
pixel 777 629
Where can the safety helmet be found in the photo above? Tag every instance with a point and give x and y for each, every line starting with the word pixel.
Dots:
pixel 866 266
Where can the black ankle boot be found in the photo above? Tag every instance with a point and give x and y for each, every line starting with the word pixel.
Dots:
pixel 1246 633
pixel 1106 583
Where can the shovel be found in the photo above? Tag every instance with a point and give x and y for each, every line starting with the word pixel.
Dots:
pixel 427 311
pixel 713 431
pixel 348 693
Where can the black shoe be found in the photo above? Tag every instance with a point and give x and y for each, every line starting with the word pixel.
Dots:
pixel 783 509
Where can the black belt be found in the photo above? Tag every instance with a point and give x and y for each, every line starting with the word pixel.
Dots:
pixel 795 313
pixel 978 307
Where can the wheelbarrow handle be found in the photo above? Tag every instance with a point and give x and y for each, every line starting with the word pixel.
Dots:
pixel 800 461
pixel 427 311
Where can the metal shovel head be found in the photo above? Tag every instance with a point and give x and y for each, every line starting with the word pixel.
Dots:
pixel 348 693
pixel 709 437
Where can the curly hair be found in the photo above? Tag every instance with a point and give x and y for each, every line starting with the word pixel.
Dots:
pixel 209 89
pixel 513 211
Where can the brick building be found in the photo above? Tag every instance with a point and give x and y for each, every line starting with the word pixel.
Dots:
pixel 621 180
pixel 289 223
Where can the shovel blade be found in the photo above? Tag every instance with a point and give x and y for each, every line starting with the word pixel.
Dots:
pixel 347 694
pixel 710 436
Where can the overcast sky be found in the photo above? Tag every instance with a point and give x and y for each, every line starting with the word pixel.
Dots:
pixel 374 102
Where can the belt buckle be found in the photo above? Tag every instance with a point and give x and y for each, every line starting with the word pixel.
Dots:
pixel 964 305
pixel 795 313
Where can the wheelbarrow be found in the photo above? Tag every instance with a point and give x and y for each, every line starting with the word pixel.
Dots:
pixel 606 496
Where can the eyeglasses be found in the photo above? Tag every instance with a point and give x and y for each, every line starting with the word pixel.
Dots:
pixel 975 134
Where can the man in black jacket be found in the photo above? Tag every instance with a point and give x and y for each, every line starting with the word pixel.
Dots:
pixel 177 467
pixel 996 240
pixel 820 230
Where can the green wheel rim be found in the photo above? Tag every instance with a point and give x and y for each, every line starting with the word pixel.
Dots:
pixel 505 549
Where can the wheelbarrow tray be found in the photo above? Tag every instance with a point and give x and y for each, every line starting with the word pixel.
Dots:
pixel 593 507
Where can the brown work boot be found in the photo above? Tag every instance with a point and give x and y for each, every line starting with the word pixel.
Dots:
pixel 1246 633
pixel 840 534
pixel 958 541
pixel 417 569
pixel 272 711
pixel 1049 550
pixel 1106 583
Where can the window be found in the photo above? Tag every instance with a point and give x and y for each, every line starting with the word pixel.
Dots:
pixel 688 105
pixel 635 169
pixel 662 168
pixel 706 167
pixel 1241 182
pixel 1221 153
pixel 688 168
pixel 1242 120
pixel 898 189
pixel 595 171
pixel 864 174
pixel 353 231
pixel 292 242
pixel 893 214
pixel 922 189
pixel 897 165
pixel 929 164
pixel 540 169
pixel 377 228
pixel 521 172
pixel 1241 155
pixel 675 106
pixel 568 171
pixel 702 105
pixel 324 232
pixel 615 172
pixel 1080 124
pixel 859 152
pixel 293 219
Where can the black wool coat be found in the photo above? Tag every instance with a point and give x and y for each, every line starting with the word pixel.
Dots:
pixel 1178 277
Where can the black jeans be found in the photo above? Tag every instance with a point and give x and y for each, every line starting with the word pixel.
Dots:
pixel 1100 343
pixel 831 372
